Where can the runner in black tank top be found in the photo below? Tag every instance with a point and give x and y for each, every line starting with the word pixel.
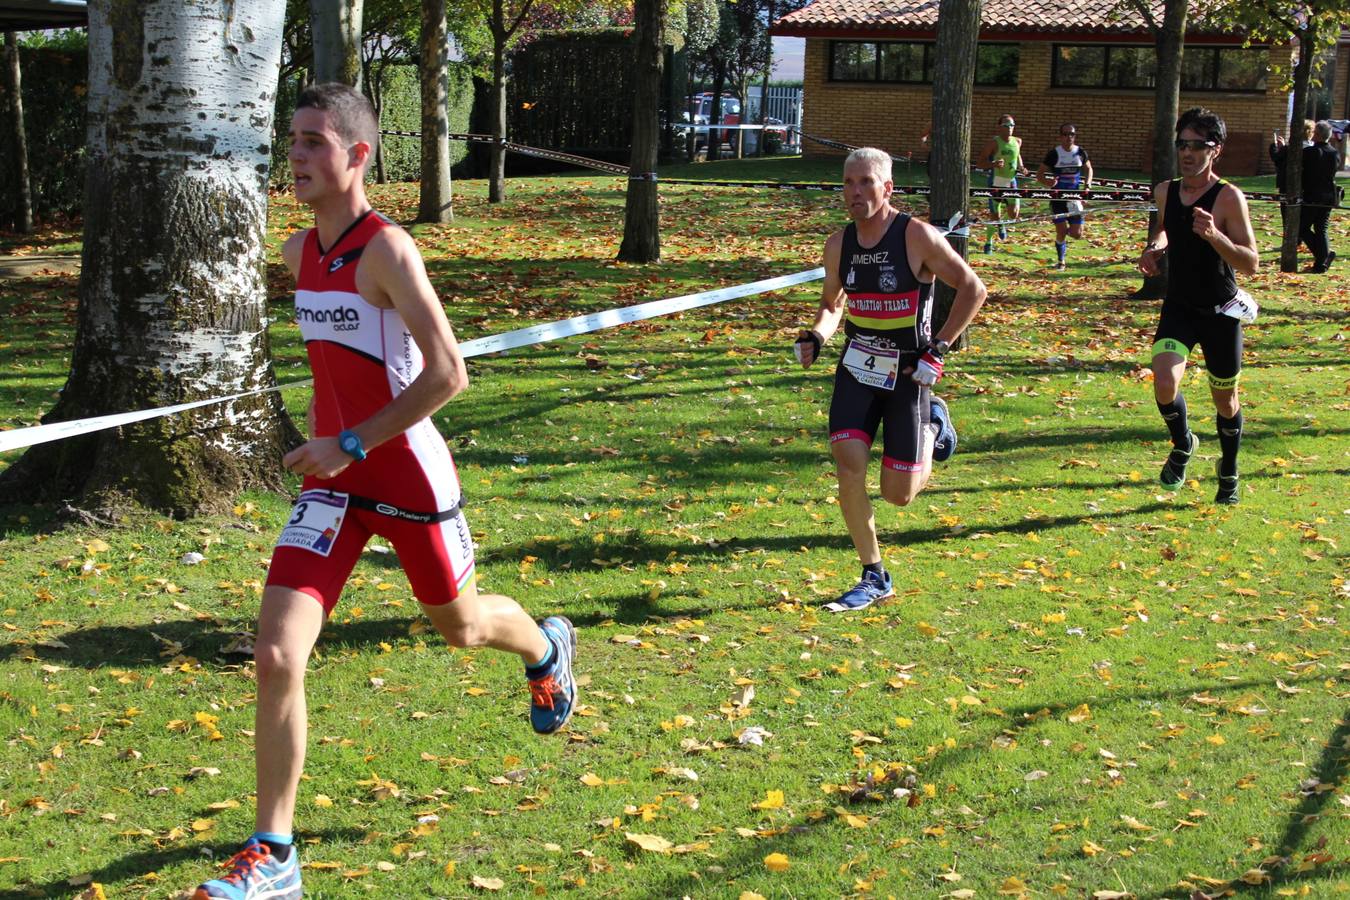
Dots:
pixel 1206 234
pixel 879 271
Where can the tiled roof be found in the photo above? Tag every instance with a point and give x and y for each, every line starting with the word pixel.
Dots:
pixel 1104 17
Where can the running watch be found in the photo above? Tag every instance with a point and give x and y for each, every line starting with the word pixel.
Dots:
pixel 351 445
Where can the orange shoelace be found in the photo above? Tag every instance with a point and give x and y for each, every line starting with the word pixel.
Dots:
pixel 543 690
pixel 245 861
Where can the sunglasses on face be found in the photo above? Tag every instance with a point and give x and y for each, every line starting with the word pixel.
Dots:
pixel 1067 133
pixel 1197 145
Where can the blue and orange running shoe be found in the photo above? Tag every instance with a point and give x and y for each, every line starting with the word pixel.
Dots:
pixel 553 695
pixel 255 874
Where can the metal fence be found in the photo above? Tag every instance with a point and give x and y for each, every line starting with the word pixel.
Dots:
pixel 784 103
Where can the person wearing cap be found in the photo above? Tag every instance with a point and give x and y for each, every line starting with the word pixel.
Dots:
pixel 1003 153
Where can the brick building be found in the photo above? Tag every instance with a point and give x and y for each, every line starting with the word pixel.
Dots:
pixel 869 63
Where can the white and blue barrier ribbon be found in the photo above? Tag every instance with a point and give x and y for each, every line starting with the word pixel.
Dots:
pixel 538 334
pixel 16 438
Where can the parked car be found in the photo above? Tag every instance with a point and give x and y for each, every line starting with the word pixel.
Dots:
pixel 700 113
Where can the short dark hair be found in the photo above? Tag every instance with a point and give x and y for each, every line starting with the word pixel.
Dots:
pixel 1205 122
pixel 353 115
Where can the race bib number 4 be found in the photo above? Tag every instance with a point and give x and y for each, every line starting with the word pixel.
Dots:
pixel 315 522
pixel 871 363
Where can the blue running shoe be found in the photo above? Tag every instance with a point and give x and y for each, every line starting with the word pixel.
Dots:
pixel 869 590
pixel 553 695
pixel 255 874
pixel 944 445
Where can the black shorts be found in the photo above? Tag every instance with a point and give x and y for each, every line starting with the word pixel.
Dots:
pixel 1181 328
pixel 856 411
pixel 1061 209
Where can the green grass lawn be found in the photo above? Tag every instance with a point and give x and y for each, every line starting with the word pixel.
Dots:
pixel 1086 686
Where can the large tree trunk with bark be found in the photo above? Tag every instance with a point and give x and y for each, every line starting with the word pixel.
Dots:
pixel 497 165
pixel 23 208
pixel 1293 159
pixel 949 165
pixel 335 26
pixel 172 304
pixel 642 219
pixel 1170 37
pixel 436 202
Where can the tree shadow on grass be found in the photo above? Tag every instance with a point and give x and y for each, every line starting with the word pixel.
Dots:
pixel 747 859
pixel 135 865
pixel 580 553
pixel 155 644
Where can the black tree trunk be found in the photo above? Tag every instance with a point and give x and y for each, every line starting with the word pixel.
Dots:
pixel 436 203
pixel 949 165
pixel 23 209
pixel 642 219
pixel 1293 160
pixel 1166 110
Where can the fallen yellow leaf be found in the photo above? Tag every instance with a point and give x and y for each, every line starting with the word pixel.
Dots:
pixel 772 800
pixel 777 862
pixel 651 842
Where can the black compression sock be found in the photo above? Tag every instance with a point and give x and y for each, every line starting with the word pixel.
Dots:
pixel 1174 415
pixel 875 568
pixel 1230 437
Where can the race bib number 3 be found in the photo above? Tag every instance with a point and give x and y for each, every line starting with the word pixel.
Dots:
pixel 871 363
pixel 315 522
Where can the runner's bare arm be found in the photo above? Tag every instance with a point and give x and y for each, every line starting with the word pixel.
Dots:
pixel 1157 239
pixel 291 250
pixel 1087 173
pixel 831 308
pixel 392 275
pixel 928 244
pixel 399 279
pixel 1229 230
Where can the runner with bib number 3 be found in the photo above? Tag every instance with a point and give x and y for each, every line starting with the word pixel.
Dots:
pixel 879 273
pixel 384 359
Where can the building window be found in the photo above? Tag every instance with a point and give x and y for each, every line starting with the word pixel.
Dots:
pixel 911 62
pixel 1127 67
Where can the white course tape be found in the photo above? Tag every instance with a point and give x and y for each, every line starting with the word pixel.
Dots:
pixel 15 438
pixel 538 334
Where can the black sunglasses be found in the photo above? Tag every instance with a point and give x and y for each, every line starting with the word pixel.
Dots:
pixel 1196 144
pixel 1067 133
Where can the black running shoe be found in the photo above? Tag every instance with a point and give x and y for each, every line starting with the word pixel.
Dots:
pixel 1228 489
pixel 1173 473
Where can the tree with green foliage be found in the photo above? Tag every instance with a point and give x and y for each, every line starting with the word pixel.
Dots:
pixel 1315 25
pixel 172 299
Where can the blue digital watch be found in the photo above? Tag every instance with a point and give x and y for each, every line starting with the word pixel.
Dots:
pixel 351 445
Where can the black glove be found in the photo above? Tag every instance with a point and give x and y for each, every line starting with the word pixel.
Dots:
pixel 810 337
